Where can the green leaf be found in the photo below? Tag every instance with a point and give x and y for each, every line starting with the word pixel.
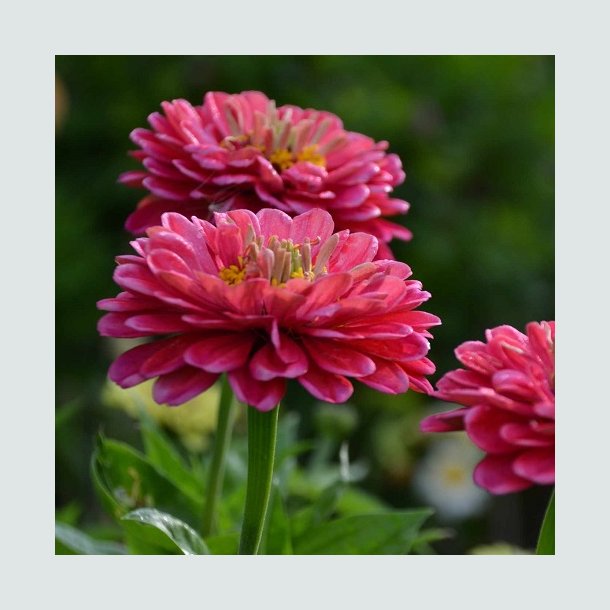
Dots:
pixel 277 538
pixel 422 543
pixel 183 536
pixel 71 541
pixel 546 540
pixel 318 511
pixel 225 544
pixel 167 459
pixel 390 533
pixel 125 480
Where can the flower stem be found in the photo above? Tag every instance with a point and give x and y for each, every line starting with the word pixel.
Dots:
pixel 226 418
pixel 546 540
pixel 262 433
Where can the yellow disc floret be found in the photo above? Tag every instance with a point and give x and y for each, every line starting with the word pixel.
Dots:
pixel 310 154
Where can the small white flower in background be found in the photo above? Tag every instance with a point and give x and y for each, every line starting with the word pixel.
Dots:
pixel 443 478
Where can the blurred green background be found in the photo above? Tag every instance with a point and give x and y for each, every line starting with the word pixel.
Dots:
pixel 476 138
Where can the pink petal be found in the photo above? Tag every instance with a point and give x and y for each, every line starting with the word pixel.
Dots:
pixel 338 358
pixel 274 222
pixel 324 291
pixel 495 474
pixel 483 427
pixel 220 353
pixel 388 377
pixel 326 386
pixel 537 465
pixel 114 325
pixel 266 364
pixel 126 369
pixel 358 248
pixel 182 385
pixel 312 224
pixel 449 421
pixel 526 435
pixel 264 395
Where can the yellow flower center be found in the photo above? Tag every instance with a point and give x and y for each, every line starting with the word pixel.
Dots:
pixel 309 153
pixel 453 476
pixel 233 274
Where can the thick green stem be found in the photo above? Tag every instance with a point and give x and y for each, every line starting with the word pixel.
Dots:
pixel 226 418
pixel 262 433
pixel 546 540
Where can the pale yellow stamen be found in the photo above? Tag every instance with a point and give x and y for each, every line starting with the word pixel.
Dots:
pixel 454 476
pixel 310 154
pixel 282 158
pixel 232 275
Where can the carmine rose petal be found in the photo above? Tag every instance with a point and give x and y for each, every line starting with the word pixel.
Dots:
pixel 266 364
pixel 326 386
pixel 220 353
pixel 182 385
pixel 388 377
pixel 537 465
pixel 358 248
pixel 495 474
pixel 274 222
pixel 157 324
pixel 328 289
pixel 114 325
pixel 527 435
pixel 312 224
pixel 449 421
pixel 335 357
pixel 168 358
pixel 264 395
pixel 126 369
pixel 483 427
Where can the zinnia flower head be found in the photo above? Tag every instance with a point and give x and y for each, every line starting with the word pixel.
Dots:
pixel 241 151
pixel 508 393
pixel 266 298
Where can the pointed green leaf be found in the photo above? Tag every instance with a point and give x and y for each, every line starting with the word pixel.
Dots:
pixel 125 480
pixel 546 540
pixel 390 533
pixel 167 459
pixel 71 541
pixel 183 536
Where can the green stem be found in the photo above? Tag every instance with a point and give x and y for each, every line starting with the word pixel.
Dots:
pixel 546 540
pixel 226 418
pixel 262 433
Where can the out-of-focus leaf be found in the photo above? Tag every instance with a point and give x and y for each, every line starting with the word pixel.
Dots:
pixel 277 538
pixel 126 480
pixel 546 540
pixel 69 513
pixel 354 501
pixel 226 544
pixel 422 543
pixel 183 536
pixel 318 511
pixel 500 548
pixel 71 541
pixel 390 533
pixel 167 459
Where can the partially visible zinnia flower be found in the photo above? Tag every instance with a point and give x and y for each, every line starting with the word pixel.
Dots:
pixel 240 151
pixel 508 393
pixel 266 298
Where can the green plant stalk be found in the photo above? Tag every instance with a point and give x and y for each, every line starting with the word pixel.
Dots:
pixel 224 428
pixel 546 539
pixel 262 435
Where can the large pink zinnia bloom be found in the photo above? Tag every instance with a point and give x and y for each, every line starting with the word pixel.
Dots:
pixel 240 151
pixel 266 298
pixel 508 393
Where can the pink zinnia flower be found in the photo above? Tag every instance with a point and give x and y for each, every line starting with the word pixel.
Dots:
pixel 240 151
pixel 508 393
pixel 266 298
